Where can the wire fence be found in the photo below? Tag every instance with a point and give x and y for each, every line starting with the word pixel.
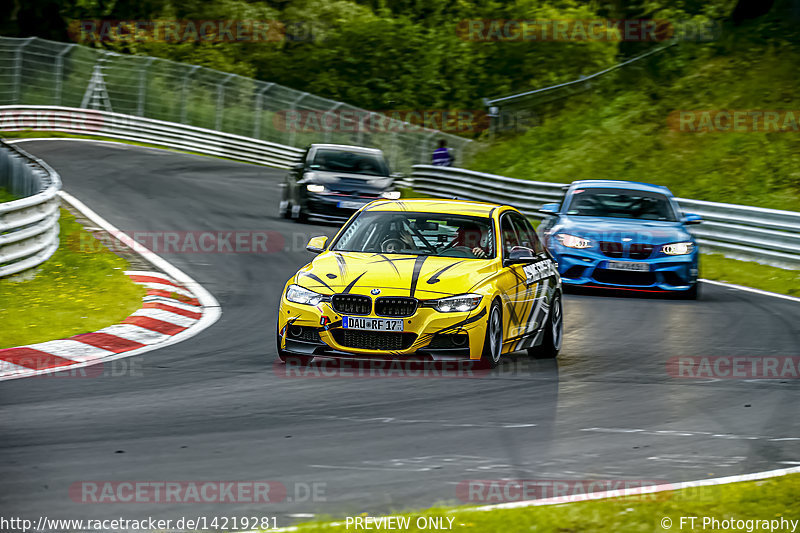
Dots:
pixel 518 112
pixel 35 71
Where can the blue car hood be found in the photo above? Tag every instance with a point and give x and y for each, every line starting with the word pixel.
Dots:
pixel 616 229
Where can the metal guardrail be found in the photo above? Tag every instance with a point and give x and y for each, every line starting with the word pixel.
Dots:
pixel 89 122
pixel 29 225
pixel 743 232
pixel 36 72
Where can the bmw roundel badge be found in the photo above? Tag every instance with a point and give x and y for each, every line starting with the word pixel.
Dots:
pixel 375 292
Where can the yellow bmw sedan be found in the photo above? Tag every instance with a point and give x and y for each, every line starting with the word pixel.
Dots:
pixel 431 279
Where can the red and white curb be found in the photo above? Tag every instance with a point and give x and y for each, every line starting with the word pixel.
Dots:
pixel 174 309
pixel 168 311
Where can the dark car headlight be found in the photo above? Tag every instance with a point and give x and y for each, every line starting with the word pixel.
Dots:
pixel 313 187
pixel 678 248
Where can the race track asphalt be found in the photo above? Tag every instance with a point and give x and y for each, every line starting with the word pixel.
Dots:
pixel 216 407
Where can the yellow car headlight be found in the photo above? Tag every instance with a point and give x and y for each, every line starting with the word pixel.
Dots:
pixel 455 304
pixel 301 295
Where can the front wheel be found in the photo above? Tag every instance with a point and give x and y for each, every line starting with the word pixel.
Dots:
pixel 554 331
pixel 493 344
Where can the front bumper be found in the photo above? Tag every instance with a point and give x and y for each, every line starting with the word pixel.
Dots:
pixel 333 206
pixel 317 331
pixel 588 268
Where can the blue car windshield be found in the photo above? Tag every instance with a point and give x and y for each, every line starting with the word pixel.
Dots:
pixel 620 203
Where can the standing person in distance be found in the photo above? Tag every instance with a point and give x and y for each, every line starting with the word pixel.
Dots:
pixel 442 156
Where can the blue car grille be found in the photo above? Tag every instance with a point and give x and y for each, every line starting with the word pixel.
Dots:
pixel 640 250
pixel 618 250
pixel 611 249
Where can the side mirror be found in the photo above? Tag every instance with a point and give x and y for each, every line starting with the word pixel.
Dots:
pixel 691 218
pixel 317 244
pixel 520 255
pixel 298 166
pixel 550 209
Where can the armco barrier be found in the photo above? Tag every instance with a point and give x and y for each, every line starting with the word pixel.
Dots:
pixel 132 128
pixel 752 233
pixel 29 225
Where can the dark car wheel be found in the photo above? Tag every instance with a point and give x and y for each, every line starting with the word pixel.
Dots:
pixel 553 333
pixel 493 344
pixel 284 209
pixel 298 213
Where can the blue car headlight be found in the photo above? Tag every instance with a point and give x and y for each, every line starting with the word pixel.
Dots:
pixel 678 248
pixel 571 241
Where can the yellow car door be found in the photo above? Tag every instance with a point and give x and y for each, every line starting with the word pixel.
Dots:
pixel 528 279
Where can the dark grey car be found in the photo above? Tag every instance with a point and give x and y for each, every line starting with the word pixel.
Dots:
pixel 332 181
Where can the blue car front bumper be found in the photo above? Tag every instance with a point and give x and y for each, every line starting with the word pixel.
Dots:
pixel 590 268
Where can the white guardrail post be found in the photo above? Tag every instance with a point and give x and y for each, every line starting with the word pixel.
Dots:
pixel 29 225
pixel 767 236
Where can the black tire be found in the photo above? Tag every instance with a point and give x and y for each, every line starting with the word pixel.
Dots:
pixel 298 214
pixel 553 333
pixel 285 210
pixel 493 343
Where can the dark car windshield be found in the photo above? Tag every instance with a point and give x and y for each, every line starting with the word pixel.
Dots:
pixel 350 162
pixel 620 203
pixel 394 232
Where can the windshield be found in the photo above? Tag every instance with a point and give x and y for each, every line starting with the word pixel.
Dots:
pixel 444 235
pixel 350 162
pixel 620 203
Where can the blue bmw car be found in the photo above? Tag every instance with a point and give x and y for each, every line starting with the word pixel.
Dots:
pixel 622 235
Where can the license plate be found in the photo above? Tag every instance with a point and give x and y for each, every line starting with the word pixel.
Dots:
pixel 372 324
pixel 350 205
pixel 630 267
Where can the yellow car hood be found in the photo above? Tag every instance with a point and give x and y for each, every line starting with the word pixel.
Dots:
pixel 403 275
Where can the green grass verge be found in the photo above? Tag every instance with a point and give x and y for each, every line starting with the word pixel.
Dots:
pixel 756 275
pixel 6 196
pixel 81 288
pixel 621 130
pixel 763 500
